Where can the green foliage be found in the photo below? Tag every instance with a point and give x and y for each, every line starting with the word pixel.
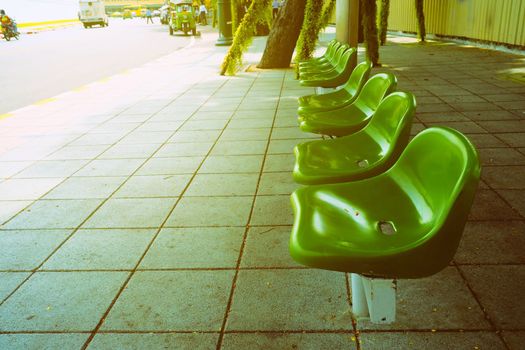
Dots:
pixel 370 31
pixel 383 22
pixel 310 30
pixel 421 20
pixel 328 9
pixel 243 36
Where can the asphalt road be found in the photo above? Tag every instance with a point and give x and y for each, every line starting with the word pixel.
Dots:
pixel 43 65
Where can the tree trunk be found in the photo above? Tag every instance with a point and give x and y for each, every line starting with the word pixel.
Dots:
pixel 421 20
pixel 383 27
pixel 283 36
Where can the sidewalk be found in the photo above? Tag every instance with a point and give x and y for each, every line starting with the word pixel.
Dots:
pixel 152 211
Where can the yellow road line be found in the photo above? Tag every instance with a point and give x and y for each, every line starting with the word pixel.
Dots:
pixel 5 116
pixel 44 101
pixel 46 23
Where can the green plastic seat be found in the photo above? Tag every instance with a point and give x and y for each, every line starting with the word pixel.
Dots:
pixel 339 98
pixel 353 117
pixel 328 54
pixel 369 152
pixel 328 61
pixel 327 68
pixel 333 78
pixel 404 223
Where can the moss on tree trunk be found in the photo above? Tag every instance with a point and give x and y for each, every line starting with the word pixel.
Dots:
pixel 421 20
pixel 370 31
pixel 383 23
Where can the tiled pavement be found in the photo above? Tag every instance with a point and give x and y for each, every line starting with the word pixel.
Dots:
pixel 154 213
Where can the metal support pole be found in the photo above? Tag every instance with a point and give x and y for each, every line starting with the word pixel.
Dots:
pixel 224 17
pixel 374 298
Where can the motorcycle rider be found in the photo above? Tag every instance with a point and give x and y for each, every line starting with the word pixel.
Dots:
pixel 7 22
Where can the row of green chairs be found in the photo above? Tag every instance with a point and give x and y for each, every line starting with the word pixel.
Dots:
pixel 331 70
pixel 376 204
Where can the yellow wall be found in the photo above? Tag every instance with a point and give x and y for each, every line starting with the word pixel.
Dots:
pixel 133 2
pixel 499 21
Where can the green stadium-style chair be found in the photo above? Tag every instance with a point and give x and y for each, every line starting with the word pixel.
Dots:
pixel 355 116
pixel 339 98
pixel 333 78
pixel 328 68
pixel 367 153
pixel 328 54
pixel 404 223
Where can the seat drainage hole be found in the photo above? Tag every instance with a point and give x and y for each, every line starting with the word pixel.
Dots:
pixel 363 163
pixel 386 228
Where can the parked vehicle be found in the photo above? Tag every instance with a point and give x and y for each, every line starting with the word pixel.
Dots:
pixel 165 14
pixel 116 14
pixel 127 14
pixel 182 18
pixel 93 12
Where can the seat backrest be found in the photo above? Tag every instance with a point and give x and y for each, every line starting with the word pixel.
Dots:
pixel 374 90
pixel 358 78
pixel 440 171
pixel 332 47
pixel 338 53
pixel 344 61
pixel 391 123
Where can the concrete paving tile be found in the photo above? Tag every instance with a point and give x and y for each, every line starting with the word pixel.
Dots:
pixel 8 282
pixel 77 152
pixel 110 167
pixel 53 301
pixel 202 247
pixel 435 107
pixel 121 150
pixel 464 127
pixel 115 127
pixel 27 249
pixel 153 186
pixel 42 341
pixel 489 206
pixel 170 166
pixel 101 250
pixel 291 133
pixel 211 211
pixel 431 340
pixel 8 169
pixel 232 164
pixel 86 188
pixel 92 139
pixel 223 185
pixel 512 105
pixel 492 242
pixel 454 99
pixel 195 136
pixel 184 149
pixel 229 148
pixel 250 123
pixel 8 209
pixel 303 341
pixel 516 199
pixel 131 213
pixel 490 115
pixel 204 125
pixel 503 97
pixel 283 146
pixel 277 183
pixel 259 134
pixel 272 210
pixel 50 214
pixel 254 114
pixel 441 117
pixel 158 300
pixel 503 126
pixel 277 300
pixel 26 189
pixel 515 339
pixel 130 341
pixel 209 115
pixel 501 156
pixel 51 168
pixel 146 137
pixel 442 301
pixel 504 177
pixel 160 126
pixel 513 139
pixel 286 122
pixel 279 163
pixel 485 141
pixel 499 288
pixel 474 106
pixel 268 247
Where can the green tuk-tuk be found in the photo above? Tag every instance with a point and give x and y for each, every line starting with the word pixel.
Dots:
pixel 182 17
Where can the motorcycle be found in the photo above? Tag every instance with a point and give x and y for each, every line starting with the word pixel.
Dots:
pixel 8 33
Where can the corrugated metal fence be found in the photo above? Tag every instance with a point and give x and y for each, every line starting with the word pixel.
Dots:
pixel 498 21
